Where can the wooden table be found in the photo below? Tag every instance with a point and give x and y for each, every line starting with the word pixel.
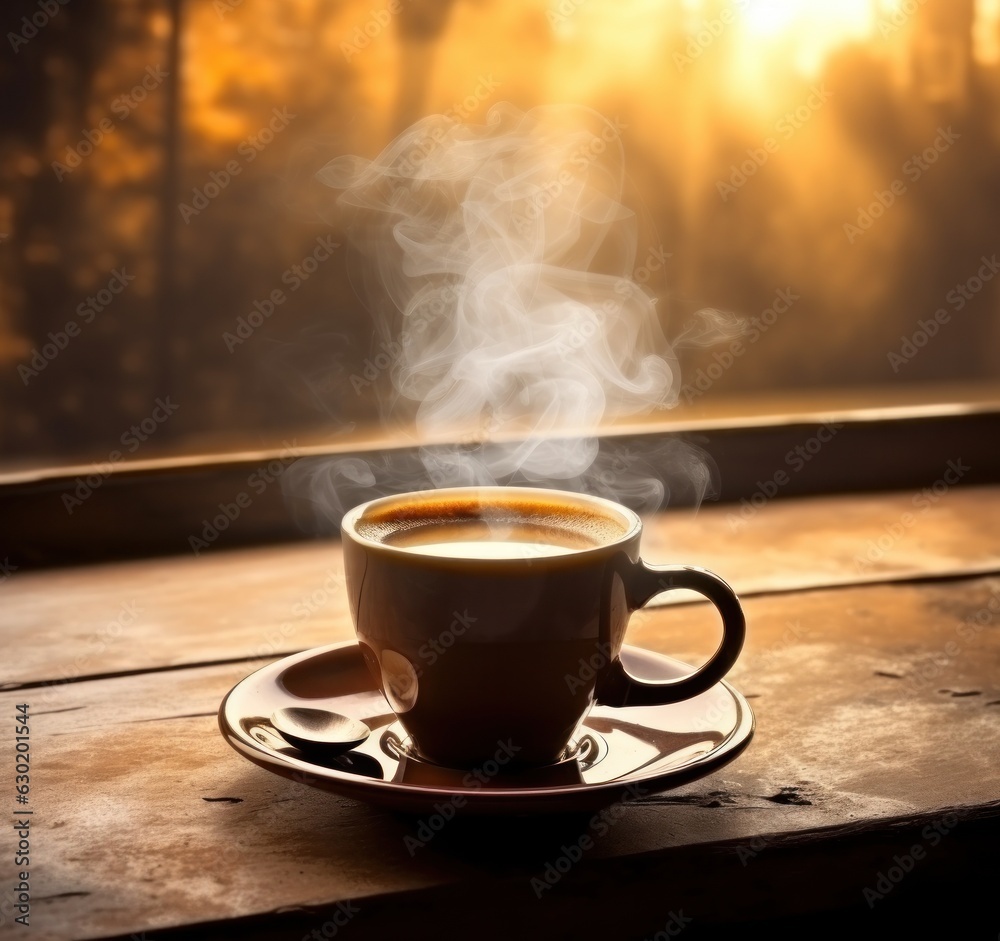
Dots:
pixel 869 796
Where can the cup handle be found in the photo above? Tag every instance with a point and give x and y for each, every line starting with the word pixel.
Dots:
pixel 617 688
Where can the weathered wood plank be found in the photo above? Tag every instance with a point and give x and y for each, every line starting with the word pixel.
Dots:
pixel 260 602
pixel 859 727
pixel 716 891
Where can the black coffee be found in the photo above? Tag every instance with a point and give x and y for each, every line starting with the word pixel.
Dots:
pixel 509 527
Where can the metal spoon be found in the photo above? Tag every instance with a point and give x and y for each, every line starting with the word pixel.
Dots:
pixel 318 730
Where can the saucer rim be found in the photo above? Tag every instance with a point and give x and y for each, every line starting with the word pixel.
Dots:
pixel 419 797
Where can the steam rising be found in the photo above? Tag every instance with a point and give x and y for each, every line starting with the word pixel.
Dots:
pixel 500 262
pixel 711 326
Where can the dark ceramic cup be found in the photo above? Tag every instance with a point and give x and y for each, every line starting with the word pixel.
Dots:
pixel 492 618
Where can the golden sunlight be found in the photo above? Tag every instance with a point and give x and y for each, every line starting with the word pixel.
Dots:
pixel 808 31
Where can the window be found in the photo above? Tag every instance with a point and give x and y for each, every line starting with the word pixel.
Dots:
pixel 177 281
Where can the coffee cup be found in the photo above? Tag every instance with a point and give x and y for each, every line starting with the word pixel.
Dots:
pixel 493 617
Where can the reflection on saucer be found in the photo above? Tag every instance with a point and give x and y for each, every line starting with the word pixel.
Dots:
pixel 356 762
pixel 581 754
pixel 681 746
pixel 353 762
pixel 655 747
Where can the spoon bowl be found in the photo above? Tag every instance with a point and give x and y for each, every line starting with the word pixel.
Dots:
pixel 319 730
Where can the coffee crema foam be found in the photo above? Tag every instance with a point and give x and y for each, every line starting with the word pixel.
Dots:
pixel 469 529
pixel 489 549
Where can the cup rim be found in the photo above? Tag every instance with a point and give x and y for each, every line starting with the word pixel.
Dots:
pixel 631 522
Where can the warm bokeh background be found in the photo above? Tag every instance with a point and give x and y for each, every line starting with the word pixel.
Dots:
pixel 847 92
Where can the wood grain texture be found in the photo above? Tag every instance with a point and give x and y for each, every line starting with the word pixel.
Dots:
pixel 870 727
pixel 257 603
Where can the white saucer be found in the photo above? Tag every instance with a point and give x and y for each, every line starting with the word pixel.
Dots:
pixel 616 754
